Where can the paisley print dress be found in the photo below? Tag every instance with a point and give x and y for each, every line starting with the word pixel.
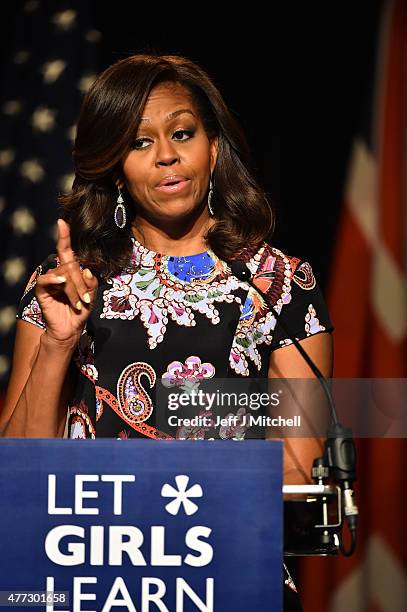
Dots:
pixel 173 323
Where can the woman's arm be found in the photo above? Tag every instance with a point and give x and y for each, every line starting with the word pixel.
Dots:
pixel 41 380
pixel 36 402
pixel 287 362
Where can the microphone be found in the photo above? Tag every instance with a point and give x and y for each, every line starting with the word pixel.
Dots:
pixel 340 454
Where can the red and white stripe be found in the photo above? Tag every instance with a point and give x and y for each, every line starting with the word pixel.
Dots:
pixel 368 306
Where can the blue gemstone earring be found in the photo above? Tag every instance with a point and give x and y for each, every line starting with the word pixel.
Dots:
pixel 120 211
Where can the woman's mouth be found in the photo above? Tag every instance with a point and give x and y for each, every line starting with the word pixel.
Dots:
pixel 175 187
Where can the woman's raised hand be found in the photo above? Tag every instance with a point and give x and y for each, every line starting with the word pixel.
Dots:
pixel 66 294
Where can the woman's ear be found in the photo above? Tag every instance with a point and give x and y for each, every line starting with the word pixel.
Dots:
pixel 117 177
pixel 213 147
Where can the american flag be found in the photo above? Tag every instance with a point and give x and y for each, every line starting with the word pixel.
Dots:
pixel 368 305
pixel 53 58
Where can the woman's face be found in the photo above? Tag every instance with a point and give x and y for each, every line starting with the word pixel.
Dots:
pixel 170 141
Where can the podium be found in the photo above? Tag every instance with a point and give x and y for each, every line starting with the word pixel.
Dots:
pixel 142 525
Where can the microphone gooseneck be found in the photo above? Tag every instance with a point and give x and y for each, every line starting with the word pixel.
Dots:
pixel 340 453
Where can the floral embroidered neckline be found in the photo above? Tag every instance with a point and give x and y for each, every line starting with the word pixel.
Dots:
pixel 138 246
pixel 164 287
pixel 197 268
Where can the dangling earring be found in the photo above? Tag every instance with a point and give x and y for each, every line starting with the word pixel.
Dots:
pixel 120 211
pixel 210 197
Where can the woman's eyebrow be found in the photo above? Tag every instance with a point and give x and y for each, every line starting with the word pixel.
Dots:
pixel 171 115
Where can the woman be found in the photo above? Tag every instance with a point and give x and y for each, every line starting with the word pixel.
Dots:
pixel 141 289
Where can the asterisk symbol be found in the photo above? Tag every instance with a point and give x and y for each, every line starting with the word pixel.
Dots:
pixel 181 495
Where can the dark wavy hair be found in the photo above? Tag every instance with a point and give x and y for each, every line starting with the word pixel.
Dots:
pixel 108 120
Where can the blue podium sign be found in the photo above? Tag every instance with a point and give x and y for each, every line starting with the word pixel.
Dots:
pixel 143 525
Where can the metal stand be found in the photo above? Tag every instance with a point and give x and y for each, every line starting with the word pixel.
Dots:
pixel 312 520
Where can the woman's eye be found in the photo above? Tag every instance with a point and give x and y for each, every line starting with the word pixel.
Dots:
pixel 138 143
pixel 190 133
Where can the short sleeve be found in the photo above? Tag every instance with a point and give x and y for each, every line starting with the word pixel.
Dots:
pixel 306 314
pixel 28 308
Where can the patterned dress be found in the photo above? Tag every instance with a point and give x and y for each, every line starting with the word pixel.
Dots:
pixel 178 323
pixel 174 324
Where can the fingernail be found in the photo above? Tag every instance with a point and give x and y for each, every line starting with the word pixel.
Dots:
pixel 86 298
pixel 79 305
pixel 61 279
pixel 88 273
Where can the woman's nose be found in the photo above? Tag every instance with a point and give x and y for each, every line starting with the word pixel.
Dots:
pixel 166 153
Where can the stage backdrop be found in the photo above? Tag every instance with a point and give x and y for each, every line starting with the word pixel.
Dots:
pixel 368 304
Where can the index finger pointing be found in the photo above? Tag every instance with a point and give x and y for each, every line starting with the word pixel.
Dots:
pixel 64 249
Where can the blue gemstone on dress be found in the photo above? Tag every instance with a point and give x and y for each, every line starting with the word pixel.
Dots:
pixel 191 266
